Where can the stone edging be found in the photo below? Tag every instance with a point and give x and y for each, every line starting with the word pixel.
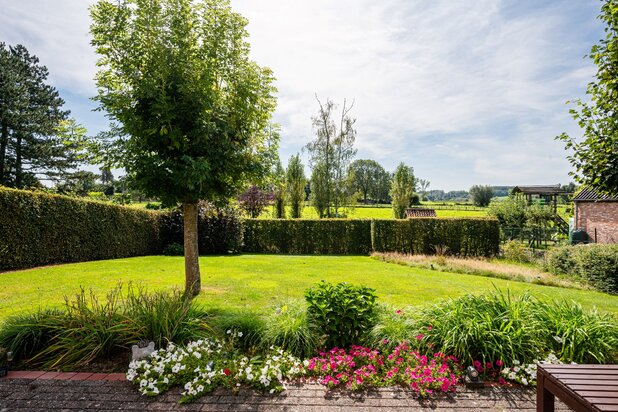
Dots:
pixel 65 376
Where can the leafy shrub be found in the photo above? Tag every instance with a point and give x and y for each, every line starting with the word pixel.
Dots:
pixel 220 230
pixel 304 236
pixel 597 264
pixel 461 236
pixel 515 251
pixel 345 313
pixel 153 206
pixel 288 327
pixel 40 229
pixel 174 249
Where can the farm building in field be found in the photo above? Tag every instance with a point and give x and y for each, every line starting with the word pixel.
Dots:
pixel 597 215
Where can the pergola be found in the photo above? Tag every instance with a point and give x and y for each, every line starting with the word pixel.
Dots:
pixel 549 193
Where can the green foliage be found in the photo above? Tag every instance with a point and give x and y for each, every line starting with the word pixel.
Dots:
pixel 295 185
pixel 88 328
pixel 392 327
pixel 279 195
pixel 244 323
pixel 515 212
pixel 192 109
pixel 596 264
pixel 370 179
pixel 174 249
pixel 345 313
pixel 220 229
pixel 595 157
pixel 481 195
pixel 300 236
pixel 576 335
pixel 515 251
pixel 461 237
pixel 402 188
pixel 40 229
pixel 320 189
pixel 33 141
pixel 290 328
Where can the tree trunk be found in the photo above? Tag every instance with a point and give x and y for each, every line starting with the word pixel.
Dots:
pixel 4 141
pixel 192 264
pixel 18 165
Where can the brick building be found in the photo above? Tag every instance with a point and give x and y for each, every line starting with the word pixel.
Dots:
pixel 597 215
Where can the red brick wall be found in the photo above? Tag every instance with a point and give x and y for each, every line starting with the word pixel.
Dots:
pixel 602 216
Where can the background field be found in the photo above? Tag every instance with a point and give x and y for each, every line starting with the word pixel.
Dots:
pixel 257 282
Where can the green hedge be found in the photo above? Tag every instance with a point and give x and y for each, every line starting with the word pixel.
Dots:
pixel 596 264
pixel 462 236
pixel 456 236
pixel 308 237
pixel 39 229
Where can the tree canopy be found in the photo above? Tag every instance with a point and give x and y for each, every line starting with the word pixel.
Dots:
pixel 595 156
pixel 37 141
pixel 190 110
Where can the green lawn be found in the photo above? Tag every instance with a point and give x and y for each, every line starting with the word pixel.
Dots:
pixel 257 281
pixel 375 213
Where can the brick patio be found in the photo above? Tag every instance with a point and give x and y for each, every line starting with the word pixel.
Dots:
pixel 41 391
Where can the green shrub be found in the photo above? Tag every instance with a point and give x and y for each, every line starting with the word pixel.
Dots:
pixel 596 264
pixel 515 251
pixel 220 230
pixel 461 236
pixel 174 249
pixel 304 236
pixel 40 229
pixel 288 327
pixel 345 313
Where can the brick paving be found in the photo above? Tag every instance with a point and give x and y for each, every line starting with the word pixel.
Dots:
pixel 50 391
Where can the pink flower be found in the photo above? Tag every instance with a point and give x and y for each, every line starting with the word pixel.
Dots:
pixel 489 365
pixel 429 327
pixel 499 363
pixel 477 365
pixel 398 311
pixel 501 381
pixel 419 336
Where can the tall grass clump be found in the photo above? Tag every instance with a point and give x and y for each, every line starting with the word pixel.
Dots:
pixel 576 335
pixel 393 326
pixel 289 327
pixel 89 328
pixel 165 316
pixel 490 327
pixel 247 325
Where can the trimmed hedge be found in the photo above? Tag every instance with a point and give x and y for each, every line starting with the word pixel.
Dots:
pixel 40 229
pixel 220 230
pixel 308 237
pixel 461 236
pixel 596 264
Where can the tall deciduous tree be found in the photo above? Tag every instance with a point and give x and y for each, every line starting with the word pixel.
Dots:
pixel 331 152
pixel 367 176
pixel 402 189
pixel 191 108
pixel 279 195
pixel 295 185
pixel 595 157
pixel 481 195
pixel 34 139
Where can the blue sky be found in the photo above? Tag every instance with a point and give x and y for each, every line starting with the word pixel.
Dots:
pixel 466 92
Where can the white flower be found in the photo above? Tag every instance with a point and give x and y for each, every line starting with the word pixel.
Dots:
pixel 558 339
pixel 143 383
pixel 229 332
pixel 524 381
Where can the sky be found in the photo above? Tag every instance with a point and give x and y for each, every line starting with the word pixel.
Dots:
pixel 466 92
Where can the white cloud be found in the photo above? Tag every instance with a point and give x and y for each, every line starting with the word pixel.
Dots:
pixel 466 92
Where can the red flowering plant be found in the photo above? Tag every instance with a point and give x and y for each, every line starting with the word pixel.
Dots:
pixel 362 367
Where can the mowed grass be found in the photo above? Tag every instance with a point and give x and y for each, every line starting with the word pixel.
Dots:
pixel 256 282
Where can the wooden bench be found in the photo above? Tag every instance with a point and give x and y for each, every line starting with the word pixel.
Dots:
pixel 580 387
